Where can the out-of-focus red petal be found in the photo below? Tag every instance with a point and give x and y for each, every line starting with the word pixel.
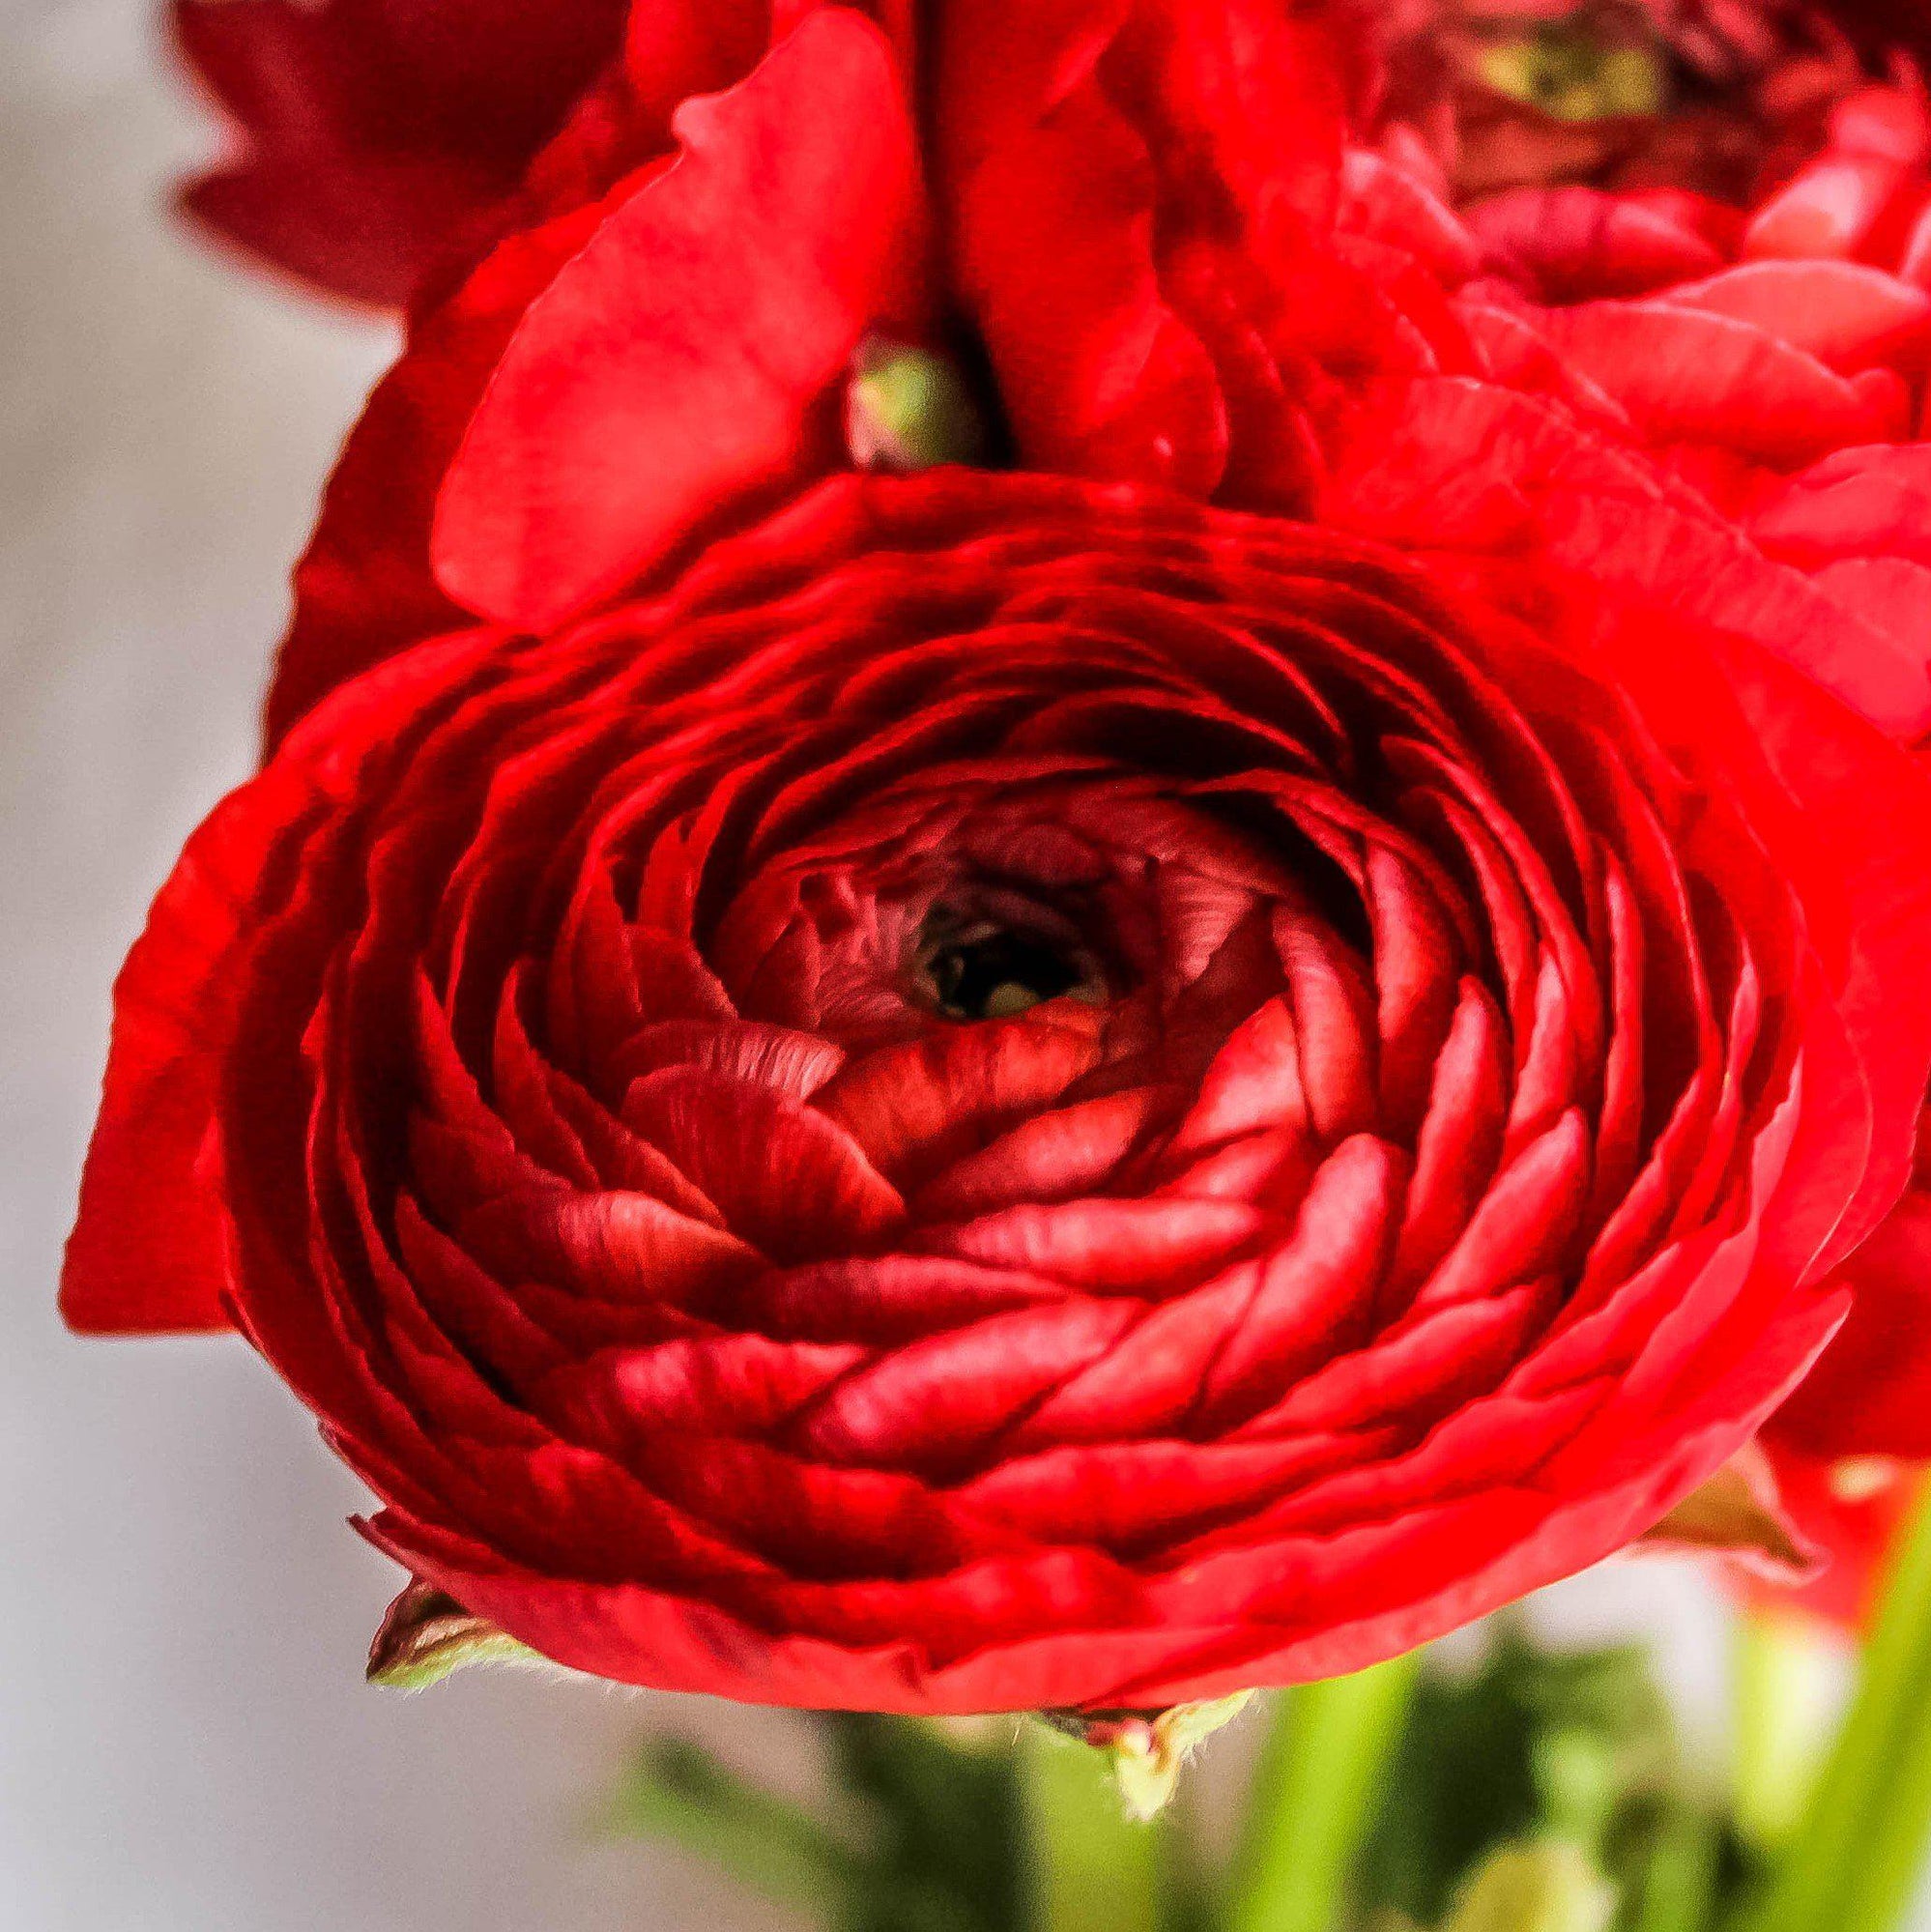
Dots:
pixel 1871 1392
pixel 1847 316
pixel 367 227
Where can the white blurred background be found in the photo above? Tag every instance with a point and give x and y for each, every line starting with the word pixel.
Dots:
pixel 185 1743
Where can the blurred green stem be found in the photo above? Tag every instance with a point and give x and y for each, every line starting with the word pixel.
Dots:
pixel 1090 1869
pixel 1852 1863
pixel 1782 1674
pixel 676 1791
pixel 1321 1778
pixel 1679 1881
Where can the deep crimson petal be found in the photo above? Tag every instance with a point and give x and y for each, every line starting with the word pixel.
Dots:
pixel 934 1402
pixel 498 74
pixel 146 1249
pixel 1569 242
pixel 787 1178
pixel 270 62
pixel 1137 1246
pixel 1316 1292
pixel 1069 1151
pixel 380 138
pixel 920 1106
pixel 368 229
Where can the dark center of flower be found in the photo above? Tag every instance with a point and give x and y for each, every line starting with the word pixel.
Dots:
pixel 986 971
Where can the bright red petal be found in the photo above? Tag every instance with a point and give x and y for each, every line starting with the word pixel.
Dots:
pixel 672 366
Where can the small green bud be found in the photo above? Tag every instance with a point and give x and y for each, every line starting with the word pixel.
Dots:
pixel 1550 1887
pixel 1146 1749
pixel 910 409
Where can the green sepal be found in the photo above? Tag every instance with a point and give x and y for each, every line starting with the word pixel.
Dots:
pixel 425 1634
pixel 1146 1749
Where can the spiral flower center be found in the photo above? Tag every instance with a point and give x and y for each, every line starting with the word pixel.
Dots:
pixel 981 970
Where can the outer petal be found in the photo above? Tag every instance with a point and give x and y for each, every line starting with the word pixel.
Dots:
pixel 1871 1392
pixel 675 365
pixel 362 589
pixel 146 1248
pixel 146 1251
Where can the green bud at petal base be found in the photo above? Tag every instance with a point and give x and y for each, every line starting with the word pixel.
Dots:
pixel 907 409
pixel 1146 1748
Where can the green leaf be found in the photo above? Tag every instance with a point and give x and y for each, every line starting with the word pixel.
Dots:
pixel 943 1822
pixel 1462 1783
pixel 678 1791
pixel 1529 1744
pixel 1321 1784
pixel 1852 1863
pixel 1675 1886
pixel 1088 1867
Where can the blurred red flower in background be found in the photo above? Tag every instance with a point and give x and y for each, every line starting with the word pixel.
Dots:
pixel 372 136
pixel 1704 316
pixel 1722 97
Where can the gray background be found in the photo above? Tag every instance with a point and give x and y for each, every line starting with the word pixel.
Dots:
pixel 185 1741
pixel 186 1744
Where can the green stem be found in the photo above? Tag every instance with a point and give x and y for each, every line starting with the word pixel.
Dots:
pixel 1679 1881
pixel 676 1791
pixel 1851 1864
pixel 1321 1777
pixel 1783 1675
pixel 1089 1869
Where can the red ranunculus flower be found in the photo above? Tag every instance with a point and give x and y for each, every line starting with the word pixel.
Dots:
pixel 375 136
pixel 1148 232
pixel 1024 1093
pixel 1773 359
pixel 1849 1451
pixel 1719 97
